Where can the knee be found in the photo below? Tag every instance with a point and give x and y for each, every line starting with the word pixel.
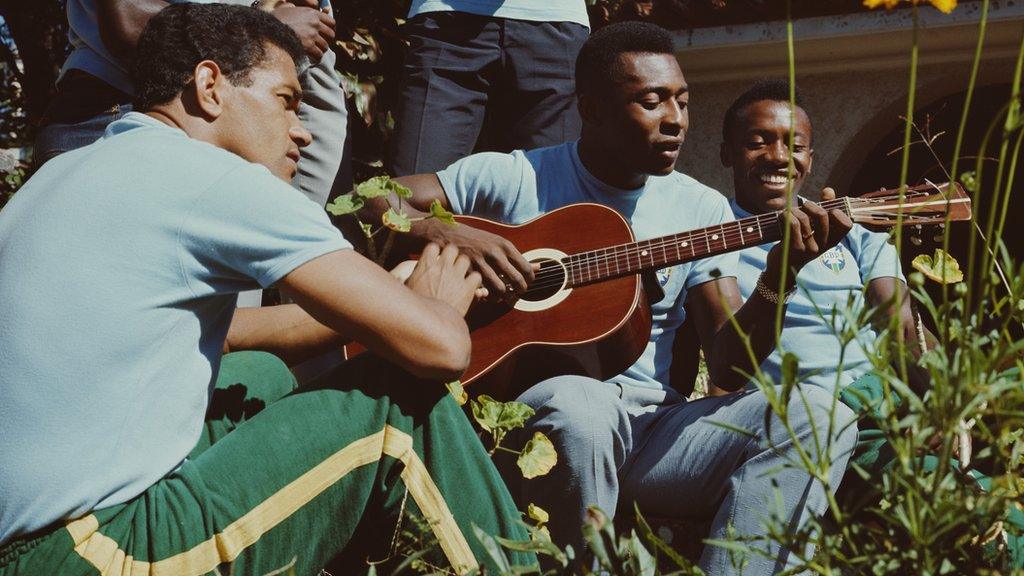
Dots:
pixel 579 413
pixel 815 408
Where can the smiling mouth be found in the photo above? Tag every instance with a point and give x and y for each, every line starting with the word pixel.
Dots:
pixel 774 178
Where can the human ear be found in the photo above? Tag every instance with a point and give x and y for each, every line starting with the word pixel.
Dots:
pixel 810 160
pixel 209 84
pixel 589 109
pixel 724 156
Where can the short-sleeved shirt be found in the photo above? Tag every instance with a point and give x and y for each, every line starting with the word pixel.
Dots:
pixel 120 263
pixel 532 10
pixel 517 187
pixel 827 288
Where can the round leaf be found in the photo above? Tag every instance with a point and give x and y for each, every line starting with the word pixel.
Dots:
pixel 373 188
pixel 345 204
pixel 396 221
pixel 538 457
pixel 941 268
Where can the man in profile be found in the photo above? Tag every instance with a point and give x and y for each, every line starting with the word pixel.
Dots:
pixel 120 265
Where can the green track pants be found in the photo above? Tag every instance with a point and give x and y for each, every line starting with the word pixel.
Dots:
pixel 295 477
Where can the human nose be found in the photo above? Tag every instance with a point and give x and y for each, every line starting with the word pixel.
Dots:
pixel 299 134
pixel 778 152
pixel 674 114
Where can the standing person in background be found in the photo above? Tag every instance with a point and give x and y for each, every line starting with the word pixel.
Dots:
pixel 94 87
pixel 511 61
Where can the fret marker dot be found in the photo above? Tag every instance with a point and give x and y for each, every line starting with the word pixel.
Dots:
pixel 714 236
pixel 644 253
pixel 684 244
pixel 750 228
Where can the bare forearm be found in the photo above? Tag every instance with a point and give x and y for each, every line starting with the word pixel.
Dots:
pixel 729 359
pixel 286 331
pixel 424 335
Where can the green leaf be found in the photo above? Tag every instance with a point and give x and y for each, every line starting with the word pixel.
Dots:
pixel 458 392
pixel 400 190
pixel 941 268
pixel 643 563
pixel 486 412
pixel 345 204
pixel 367 229
pixel 969 180
pixel 493 550
pixel 396 221
pixel 494 415
pixel 538 456
pixel 538 545
pixel 537 513
pixel 375 187
pixel 438 211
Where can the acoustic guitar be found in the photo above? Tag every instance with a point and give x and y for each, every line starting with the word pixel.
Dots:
pixel 586 311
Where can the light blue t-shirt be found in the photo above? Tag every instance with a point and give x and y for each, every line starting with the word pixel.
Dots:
pixel 533 10
pixel 520 186
pixel 827 288
pixel 89 54
pixel 120 263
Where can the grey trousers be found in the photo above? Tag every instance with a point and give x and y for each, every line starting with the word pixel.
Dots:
pixel 475 82
pixel 619 444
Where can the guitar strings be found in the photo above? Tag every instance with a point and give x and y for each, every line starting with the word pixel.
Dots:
pixel 613 255
pixel 603 255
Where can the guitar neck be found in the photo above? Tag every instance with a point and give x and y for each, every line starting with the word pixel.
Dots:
pixel 636 257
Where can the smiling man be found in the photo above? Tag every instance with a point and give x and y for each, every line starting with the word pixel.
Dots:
pixel 756 147
pixel 151 233
pixel 634 438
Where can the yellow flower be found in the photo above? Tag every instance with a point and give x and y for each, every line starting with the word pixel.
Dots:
pixel 945 6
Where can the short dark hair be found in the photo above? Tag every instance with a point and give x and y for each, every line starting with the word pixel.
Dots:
pixel 773 89
pixel 183 35
pixel 598 64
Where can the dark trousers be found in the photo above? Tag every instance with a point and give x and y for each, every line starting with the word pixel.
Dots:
pixel 483 83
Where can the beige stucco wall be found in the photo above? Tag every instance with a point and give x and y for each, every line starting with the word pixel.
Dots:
pixel 852 71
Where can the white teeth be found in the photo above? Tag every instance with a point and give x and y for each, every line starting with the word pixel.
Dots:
pixel 773 178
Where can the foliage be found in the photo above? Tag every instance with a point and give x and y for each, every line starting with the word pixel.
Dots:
pixel 12 175
pixel 393 220
pixel 941 267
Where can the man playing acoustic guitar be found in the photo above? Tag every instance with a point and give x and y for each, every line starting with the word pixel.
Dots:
pixel 634 438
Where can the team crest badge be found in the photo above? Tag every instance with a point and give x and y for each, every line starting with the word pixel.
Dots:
pixel 834 259
pixel 664 274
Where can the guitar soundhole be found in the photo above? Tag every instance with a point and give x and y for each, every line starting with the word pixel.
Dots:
pixel 547 281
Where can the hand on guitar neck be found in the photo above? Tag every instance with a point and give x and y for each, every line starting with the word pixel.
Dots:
pixel 813 231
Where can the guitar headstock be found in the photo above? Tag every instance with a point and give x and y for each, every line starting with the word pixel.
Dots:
pixel 927 203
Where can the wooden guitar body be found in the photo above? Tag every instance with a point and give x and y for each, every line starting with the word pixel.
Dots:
pixel 597 329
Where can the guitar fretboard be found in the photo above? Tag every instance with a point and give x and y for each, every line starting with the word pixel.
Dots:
pixel 613 262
